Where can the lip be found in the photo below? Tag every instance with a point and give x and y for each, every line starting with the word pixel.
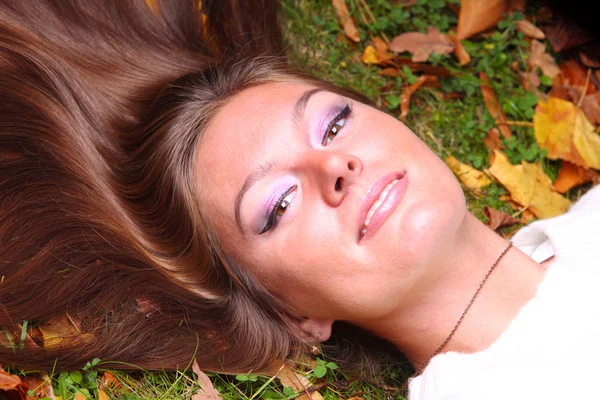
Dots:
pixel 387 206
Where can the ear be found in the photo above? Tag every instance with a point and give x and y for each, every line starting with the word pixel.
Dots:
pixel 317 329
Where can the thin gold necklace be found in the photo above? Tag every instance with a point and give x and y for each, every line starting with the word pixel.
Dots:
pixel 445 342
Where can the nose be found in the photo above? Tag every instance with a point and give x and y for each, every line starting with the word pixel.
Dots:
pixel 334 173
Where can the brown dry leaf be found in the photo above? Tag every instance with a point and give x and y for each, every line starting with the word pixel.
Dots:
pixel 539 58
pixel 406 95
pixel 478 15
pixel 493 105
pixel 422 45
pixel 529 186
pixel 299 383
pixel 459 50
pixel 492 140
pixel 208 391
pixel 529 80
pixel 591 108
pixel 467 175
pixel 515 5
pixel 343 15
pixel 390 72
pixel 498 219
pixel 564 34
pixel 562 129
pixel 42 386
pixel 571 175
pixel 530 30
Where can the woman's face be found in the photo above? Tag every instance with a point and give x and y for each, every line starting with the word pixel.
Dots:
pixel 288 174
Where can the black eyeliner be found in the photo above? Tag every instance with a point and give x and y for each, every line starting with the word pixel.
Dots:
pixel 271 219
pixel 344 112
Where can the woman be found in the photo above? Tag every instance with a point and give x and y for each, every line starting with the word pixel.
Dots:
pixel 177 195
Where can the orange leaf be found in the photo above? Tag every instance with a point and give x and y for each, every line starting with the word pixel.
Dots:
pixel 492 140
pixel 406 95
pixel 498 219
pixel 493 105
pixel 571 175
pixel 478 15
pixel 341 10
pixel 422 45
pixel 459 50
pixel 530 30
pixel 102 395
pixel 11 387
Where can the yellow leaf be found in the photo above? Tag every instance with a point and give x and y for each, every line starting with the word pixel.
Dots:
pixel 529 186
pixel 467 175
pixel 289 378
pixel 563 130
pixel 370 55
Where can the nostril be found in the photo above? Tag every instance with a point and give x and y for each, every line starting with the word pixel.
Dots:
pixel 338 184
pixel 351 166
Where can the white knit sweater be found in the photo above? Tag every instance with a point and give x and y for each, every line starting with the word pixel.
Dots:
pixel 551 350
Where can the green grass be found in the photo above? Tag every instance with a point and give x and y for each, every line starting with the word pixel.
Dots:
pixel 450 127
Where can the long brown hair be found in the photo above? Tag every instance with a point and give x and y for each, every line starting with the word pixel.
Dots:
pixel 102 107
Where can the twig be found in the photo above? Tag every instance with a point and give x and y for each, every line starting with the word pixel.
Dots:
pixel 373 19
pixel 515 123
pixel 585 87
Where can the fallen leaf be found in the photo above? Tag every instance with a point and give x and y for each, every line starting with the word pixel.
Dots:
pixel 102 395
pixel 11 387
pixel 498 219
pixel 478 15
pixel 529 186
pixel 591 107
pixel 515 5
pixel 563 34
pixel 530 30
pixel 343 15
pixel 590 56
pixel 109 380
pixel 422 45
pixel 467 175
pixel 375 54
pixel 407 94
pixel 41 387
pixel 563 130
pixel 61 329
pixel 492 140
pixel 529 80
pixel 493 105
pixel 459 50
pixel 539 58
pixel 299 383
pixel 208 391
pixel 391 72
pixel 571 175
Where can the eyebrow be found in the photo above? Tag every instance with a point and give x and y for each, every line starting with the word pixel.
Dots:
pixel 265 169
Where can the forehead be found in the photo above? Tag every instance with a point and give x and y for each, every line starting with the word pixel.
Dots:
pixel 253 127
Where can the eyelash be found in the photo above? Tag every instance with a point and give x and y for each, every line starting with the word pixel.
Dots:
pixel 344 113
pixel 273 219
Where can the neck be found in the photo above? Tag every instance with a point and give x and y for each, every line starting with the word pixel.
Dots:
pixel 434 306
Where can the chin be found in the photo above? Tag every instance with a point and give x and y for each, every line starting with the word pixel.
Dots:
pixel 428 225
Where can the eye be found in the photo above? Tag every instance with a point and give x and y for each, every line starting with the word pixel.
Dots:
pixel 279 208
pixel 336 125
